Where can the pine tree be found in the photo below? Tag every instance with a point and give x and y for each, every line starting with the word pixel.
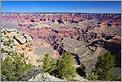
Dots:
pixel 48 64
pixel 104 67
pixel 93 76
pixel 13 67
pixel 65 66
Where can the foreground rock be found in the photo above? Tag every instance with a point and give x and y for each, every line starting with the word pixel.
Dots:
pixel 15 41
pixel 48 77
pixel 44 77
pixel 33 50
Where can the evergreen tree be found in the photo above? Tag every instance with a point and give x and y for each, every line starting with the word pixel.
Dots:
pixel 65 66
pixel 48 64
pixel 13 67
pixel 93 76
pixel 104 67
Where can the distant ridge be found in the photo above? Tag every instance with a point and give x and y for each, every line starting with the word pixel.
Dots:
pixel 58 13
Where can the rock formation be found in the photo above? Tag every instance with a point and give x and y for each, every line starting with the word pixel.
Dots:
pixel 85 36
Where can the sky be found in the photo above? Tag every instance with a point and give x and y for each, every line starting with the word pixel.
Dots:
pixel 62 6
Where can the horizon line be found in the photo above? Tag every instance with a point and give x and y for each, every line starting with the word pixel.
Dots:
pixel 69 12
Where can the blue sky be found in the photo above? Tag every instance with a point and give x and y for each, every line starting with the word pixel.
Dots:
pixel 62 6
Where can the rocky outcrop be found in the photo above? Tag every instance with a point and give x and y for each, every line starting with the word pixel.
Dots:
pixel 44 77
pixel 15 41
pixel 48 77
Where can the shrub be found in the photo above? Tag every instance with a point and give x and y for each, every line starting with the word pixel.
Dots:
pixel 48 64
pixel 13 67
pixel 93 76
pixel 104 67
pixel 65 66
pixel 62 68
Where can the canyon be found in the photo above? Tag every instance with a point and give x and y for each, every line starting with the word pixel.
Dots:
pixel 85 35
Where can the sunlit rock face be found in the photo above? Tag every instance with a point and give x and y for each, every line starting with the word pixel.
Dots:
pixel 15 41
pixel 44 77
pixel 48 77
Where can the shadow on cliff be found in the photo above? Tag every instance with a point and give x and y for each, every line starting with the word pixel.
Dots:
pixel 112 47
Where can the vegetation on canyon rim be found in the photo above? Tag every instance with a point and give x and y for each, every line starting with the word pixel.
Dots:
pixel 103 68
pixel 14 66
pixel 64 69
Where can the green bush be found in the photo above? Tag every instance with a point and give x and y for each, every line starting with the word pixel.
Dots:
pixel 13 67
pixel 65 66
pixel 62 68
pixel 104 67
pixel 49 64
pixel 93 76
